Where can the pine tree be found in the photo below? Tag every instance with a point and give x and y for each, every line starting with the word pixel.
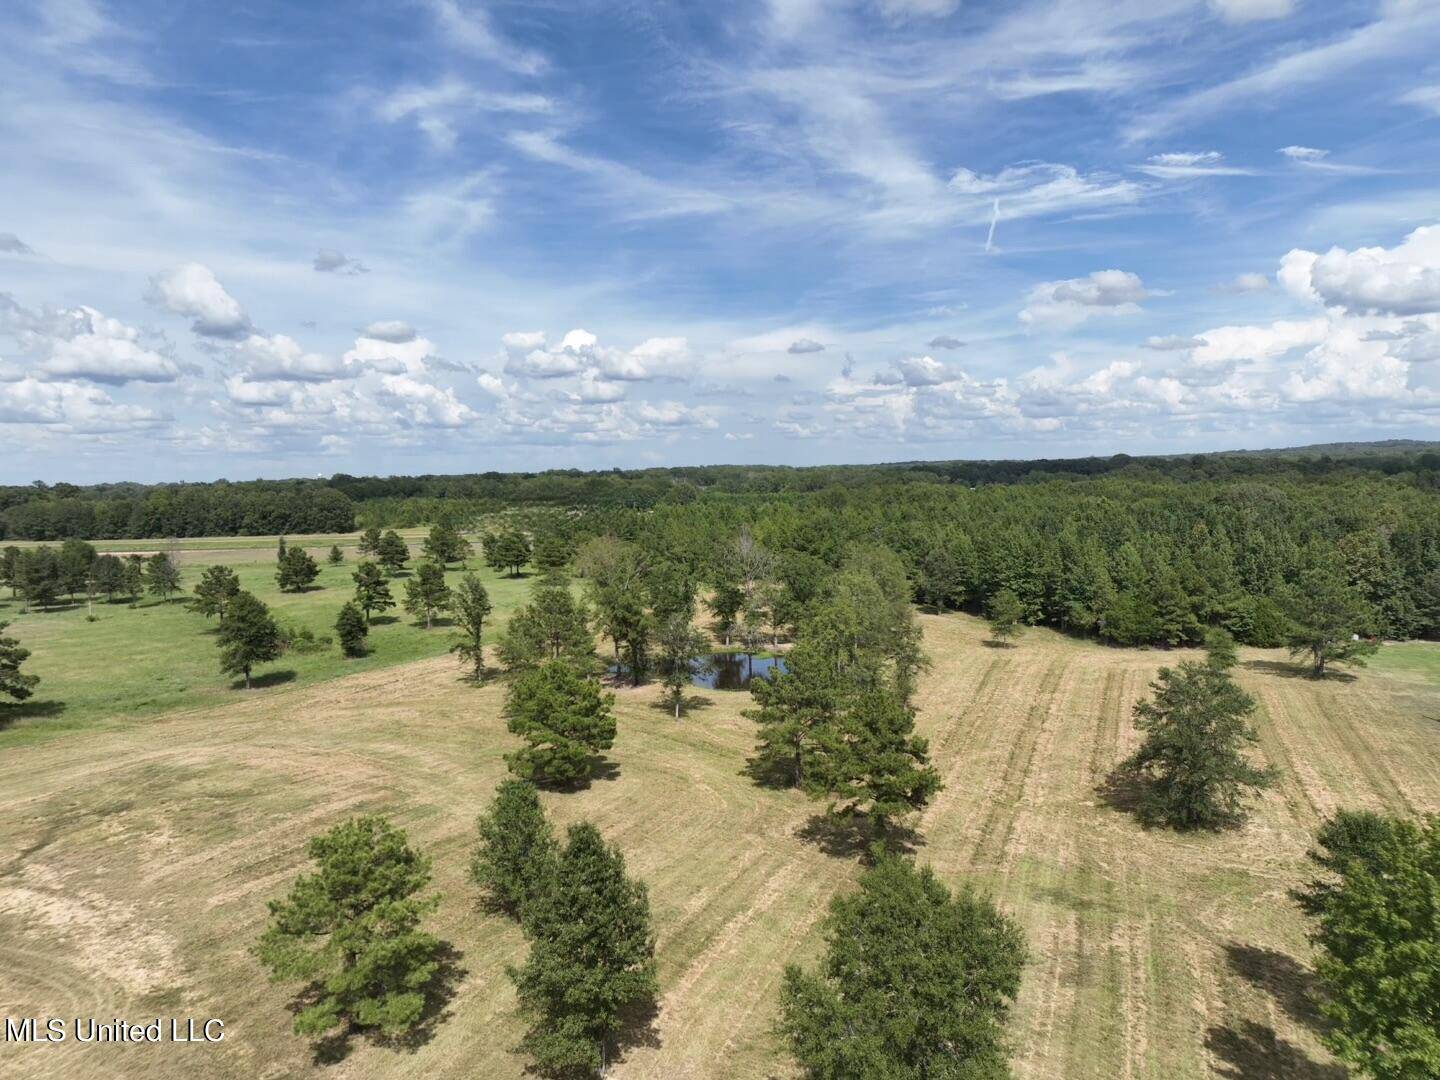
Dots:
pixel 108 576
pixel 351 931
pixel 1004 613
pixel 1328 620
pixel 682 653
pixel 870 761
pixel 393 554
pixel 564 718
pixel 369 542
pixel 793 704
pixel 134 576
pixel 507 549
pixel 247 637
pixel 10 569
pixel 280 550
pixel 1220 651
pixel 162 576
pixel 39 576
pixel 372 592
pixel 14 682
pixel 352 630
pixel 514 861
pixel 445 545
pixel 76 558
pixel 552 552
pixel 426 593
pixel 551 627
pixel 297 570
pixel 915 983
pixel 1377 928
pixel 471 607
pixel 217 586
pixel 591 962
pixel 1192 763
pixel 633 631
pixel 336 556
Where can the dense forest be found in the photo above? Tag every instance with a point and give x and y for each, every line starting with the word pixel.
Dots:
pixel 1133 551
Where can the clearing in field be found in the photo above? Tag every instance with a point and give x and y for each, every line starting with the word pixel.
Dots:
pixel 139 856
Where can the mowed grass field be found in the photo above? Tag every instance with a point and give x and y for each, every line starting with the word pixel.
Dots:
pixel 136 859
pixel 154 657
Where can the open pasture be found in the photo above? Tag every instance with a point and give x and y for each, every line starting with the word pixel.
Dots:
pixel 139 856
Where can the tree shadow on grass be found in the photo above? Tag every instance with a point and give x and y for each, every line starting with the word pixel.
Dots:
pixel 29 710
pixel 1293 986
pixel 688 704
pixel 601 769
pixel 768 774
pixel 1254 1052
pixel 265 679
pixel 991 643
pixel 849 835
pixel 383 620
pixel 1124 790
pixel 335 1047
pixel 1290 670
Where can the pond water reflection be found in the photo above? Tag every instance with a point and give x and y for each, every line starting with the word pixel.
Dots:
pixel 725 670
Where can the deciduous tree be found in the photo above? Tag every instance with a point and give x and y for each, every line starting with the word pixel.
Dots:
pixel 915 983
pixel 471 608
pixel 682 653
pixel 162 575
pixel 445 545
pixel 1004 612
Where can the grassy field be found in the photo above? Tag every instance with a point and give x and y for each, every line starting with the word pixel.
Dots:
pixel 154 657
pixel 139 856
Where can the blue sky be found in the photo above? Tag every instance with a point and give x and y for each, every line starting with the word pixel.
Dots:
pixel 452 235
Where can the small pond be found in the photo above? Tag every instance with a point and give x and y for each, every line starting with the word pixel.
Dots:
pixel 727 670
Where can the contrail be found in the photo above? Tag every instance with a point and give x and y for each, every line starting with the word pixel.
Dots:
pixel 994 217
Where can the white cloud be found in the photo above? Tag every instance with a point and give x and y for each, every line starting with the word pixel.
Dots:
pixel 804 345
pixel 1426 97
pixel 1252 10
pixel 1172 343
pixel 280 358
pixel 465 27
pixel 413 355
pixel 580 352
pixel 440 108
pixel 1037 189
pixel 1070 302
pixel 394 331
pixel 192 291
pixel 82 343
pixel 903 9
pixel 10 244
pixel 70 407
pixel 1404 280
pixel 424 404
pixel 1186 164
pixel 330 261
pixel 1303 153
pixel 946 341
pixel 1247 283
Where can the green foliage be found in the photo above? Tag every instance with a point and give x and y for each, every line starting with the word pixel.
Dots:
pixel 553 551
pixel 1377 928
pixel 1220 651
pixel 426 593
pixel 107 575
pixel 1328 621
pixel 248 636
pixel 280 550
pixel 507 549
pixel 514 861
pixel 351 931
pixel 336 556
pixel 369 543
pixel 162 575
pixel 868 759
pixel 393 553
pixel 1191 765
pixel 471 607
pixel 134 576
pixel 297 570
pixel 75 560
pixel 1004 612
pixel 372 592
pixel 218 585
pixel 564 718
pixel 444 545
pixel 915 983
pixel 38 576
pixel 591 962
pixel 551 627
pixel 681 654
pixel 14 682
pixel 352 629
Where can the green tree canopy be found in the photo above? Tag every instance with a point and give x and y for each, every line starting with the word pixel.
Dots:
pixel 1004 613
pixel 444 545
pixel 426 593
pixel 14 682
pixel 471 607
pixel 351 629
pixel 393 553
pixel 592 958
pixel 565 720
pixel 915 983
pixel 552 626
pixel 1329 620
pixel 372 592
pixel 682 652
pixel 514 861
pixel 351 931
pixel 248 636
pixel 507 549
pixel 1192 764
pixel 162 575
pixel 217 586
pixel 297 570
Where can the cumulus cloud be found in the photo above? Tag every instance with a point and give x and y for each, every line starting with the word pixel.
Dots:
pixel 915 371
pixel 81 343
pixel 1241 11
pixel 804 345
pixel 392 330
pixel 414 355
pixel 423 404
pixel 330 261
pixel 70 407
pixel 1072 301
pixel 278 357
pixel 10 244
pixel 1403 280
pixel 945 341
pixel 579 352
pixel 191 290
